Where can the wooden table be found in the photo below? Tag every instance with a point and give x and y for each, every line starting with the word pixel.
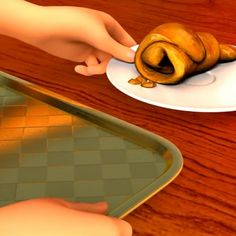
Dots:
pixel 202 200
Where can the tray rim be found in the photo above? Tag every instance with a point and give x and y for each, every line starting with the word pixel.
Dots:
pixel 154 187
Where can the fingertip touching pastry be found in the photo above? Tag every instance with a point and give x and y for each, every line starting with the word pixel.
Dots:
pixel 172 52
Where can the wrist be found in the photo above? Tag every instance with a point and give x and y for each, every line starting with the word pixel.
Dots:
pixel 20 19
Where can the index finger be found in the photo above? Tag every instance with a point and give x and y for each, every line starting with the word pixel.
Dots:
pixel 117 31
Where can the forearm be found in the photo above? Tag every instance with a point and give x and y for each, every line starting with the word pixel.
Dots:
pixel 19 19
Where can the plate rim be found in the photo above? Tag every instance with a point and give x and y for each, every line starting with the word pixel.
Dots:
pixel 160 104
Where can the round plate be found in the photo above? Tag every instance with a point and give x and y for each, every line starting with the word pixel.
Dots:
pixel 212 91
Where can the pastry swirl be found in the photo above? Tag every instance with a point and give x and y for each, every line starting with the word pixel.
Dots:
pixel 172 52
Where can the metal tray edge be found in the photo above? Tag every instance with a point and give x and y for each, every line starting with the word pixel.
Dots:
pixel 88 112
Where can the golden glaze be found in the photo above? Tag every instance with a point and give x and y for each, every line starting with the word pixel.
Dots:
pixel 172 52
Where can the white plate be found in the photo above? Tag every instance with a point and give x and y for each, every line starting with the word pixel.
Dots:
pixel 213 91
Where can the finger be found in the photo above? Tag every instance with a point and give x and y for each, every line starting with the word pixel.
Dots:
pixel 124 228
pixel 80 69
pixel 102 225
pixel 99 68
pixel 107 44
pixel 117 31
pixel 101 56
pixel 98 207
pixel 116 49
pixel 91 60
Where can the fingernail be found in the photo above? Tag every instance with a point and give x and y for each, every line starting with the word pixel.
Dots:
pixel 77 69
pixel 131 55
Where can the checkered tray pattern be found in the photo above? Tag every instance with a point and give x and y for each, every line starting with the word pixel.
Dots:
pixel 45 151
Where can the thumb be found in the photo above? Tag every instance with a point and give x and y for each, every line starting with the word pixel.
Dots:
pixel 111 46
pixel 120 51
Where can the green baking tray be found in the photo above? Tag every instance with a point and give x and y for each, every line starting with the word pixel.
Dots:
pixel 51 146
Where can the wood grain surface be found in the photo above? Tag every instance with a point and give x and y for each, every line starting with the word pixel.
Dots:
pixel 202 200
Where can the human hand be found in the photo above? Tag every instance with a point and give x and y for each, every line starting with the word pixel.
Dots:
pixel 83 35
pixel 78 34
pixel 46 217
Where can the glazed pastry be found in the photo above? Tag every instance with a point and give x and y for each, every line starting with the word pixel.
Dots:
pixel 172 52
